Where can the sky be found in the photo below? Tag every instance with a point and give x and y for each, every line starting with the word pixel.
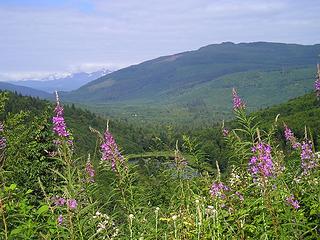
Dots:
pixel 39 38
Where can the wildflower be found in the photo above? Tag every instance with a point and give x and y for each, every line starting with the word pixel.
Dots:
pixel 289 136
pixel 59 201
pixel 3 143
pixel 225 132
pixel 60 219
pixel 308 158
pixel 293 202
pixel 317 82
pixel 240 196
pixel 59 125
pixel 218 189
pixel 261 163
pixel 110 151
pixel 180 161
pixel 131 216
pixel 90 171
pixel 210 211
pixel 72 203
pixel 3 140
pixel 238 104
pixel 174 217
pixel 101 226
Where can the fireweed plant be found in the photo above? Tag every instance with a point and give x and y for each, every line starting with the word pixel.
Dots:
pixel 267 192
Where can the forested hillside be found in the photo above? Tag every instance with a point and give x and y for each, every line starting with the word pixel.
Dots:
pixel 258 173
pixel 195 86
pixel 133 139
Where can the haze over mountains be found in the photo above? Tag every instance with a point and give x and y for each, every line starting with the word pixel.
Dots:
pixel 68 83
pixel 25 91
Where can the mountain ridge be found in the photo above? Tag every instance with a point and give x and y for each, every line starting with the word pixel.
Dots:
pixel 150 78
pixel 67 83
pixel 26 91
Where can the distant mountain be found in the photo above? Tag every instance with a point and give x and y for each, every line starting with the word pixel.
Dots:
pixel 69 83
pixel 157 78
pixel 197 84
pixel 25 91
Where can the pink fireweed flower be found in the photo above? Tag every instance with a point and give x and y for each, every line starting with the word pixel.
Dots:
pixel 317 87
pixel 308 158
pixel 240 196
pixel 225 132
pixel 238 104
pixel 218 189
pixel 317 82
pixel 3 140
pixel 261 162
pixel 289 136
pixel 72 203
pixel 59 125
pixel 3 143
pixel 59 201
pixel 90 171
pixel 110 151
pixel 293 202
pixel 60 219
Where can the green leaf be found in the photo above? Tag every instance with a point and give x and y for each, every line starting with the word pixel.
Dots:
pixel 13 186
pixel 29 191
pixel 42 209
pixel 15 231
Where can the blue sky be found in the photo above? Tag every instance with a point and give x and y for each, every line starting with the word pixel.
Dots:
pixel 39 37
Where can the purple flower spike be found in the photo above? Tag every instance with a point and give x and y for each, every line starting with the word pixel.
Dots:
pixel 238 104
pixel 293 202
pixel 289 136
pixel 110 151
pixel 317 82
pixel 261 163
pixel 59 201
pixel 308 158
pixel 3 143
pixel 60 219
pixel 225 132
pixel 72 203
pixel 59 125
pixel 3 140
pixel 90 171
pixel 218 189
pixel 240 196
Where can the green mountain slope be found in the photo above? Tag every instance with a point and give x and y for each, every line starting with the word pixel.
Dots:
pixel 26 91
pixel 196 85
pixel 153 79
pixel 211 101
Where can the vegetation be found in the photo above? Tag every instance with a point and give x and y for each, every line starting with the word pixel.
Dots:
pixel 195 86
pixel 259 187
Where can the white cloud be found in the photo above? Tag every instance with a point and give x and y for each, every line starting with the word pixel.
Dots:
pixel 61 39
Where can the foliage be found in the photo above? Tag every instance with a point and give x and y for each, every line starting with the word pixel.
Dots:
pixel 268 190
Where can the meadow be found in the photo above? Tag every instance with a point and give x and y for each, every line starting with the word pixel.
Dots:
pixel 266 190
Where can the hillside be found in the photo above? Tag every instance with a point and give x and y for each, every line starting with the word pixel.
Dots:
pixel 185 70
pixel 132 139
pixel 297 113
pixel 197 84
pixel 26 91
